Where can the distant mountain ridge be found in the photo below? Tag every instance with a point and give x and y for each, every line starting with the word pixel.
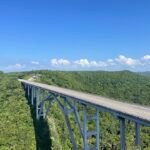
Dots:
pixel 146 73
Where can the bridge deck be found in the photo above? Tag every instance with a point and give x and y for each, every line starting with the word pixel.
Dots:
pixel 132 111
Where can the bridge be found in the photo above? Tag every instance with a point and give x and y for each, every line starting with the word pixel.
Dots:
pixel 69 100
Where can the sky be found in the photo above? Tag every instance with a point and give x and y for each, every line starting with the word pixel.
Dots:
pixel 75 35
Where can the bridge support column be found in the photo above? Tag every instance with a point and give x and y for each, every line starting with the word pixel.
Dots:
pixel 88 134
pixel 66 112
pixel 137 134
pixel 122 133
pixel 41 110
pixel 28 91
pixel 37 102
pixel 97 129
pixel 78 120
pixel 48 107
pixel 70 129
pixel 32 95
pixel 85 130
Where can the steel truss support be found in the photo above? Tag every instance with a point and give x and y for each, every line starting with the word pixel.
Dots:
pixel 122 133
pixel 94 133
pixel 28 92
pixel 137 134
pixel 33 93
pixel 85 133
pixel 37 103
pixel 71 107
pixel 66 111
pixel 41 110
pixel 78 120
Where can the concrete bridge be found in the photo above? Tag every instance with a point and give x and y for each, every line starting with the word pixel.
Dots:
pixel 68 99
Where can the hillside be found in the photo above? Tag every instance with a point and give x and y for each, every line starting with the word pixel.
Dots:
pixel 16 124
pixel 125 86
pixel 52 133
pixel 147 73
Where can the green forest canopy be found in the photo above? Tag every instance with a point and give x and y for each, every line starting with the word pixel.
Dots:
pixel 22 129
pixel 16 124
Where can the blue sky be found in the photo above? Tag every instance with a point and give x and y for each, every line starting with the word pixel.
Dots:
pixel 75 35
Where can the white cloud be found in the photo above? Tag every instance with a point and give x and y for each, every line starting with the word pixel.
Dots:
pixel 15 67
pixel 35 62
pixel 59 62
pixel 82 62
pixel 111 62
pixel 146 57
pixel 145 60
pixel 102 64
pixel 119 63
pixel 126 61
pixel 87 63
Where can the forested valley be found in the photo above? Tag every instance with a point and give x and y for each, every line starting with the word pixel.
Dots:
pixel 19 129
pixel 16 124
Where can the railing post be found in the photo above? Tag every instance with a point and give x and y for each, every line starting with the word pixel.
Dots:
pixel 122 133
pixel 137 134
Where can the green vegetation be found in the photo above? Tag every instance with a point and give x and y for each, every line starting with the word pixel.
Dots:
pixel 125 86
pixel 52 133
pixel 147 73
pixel 16 124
